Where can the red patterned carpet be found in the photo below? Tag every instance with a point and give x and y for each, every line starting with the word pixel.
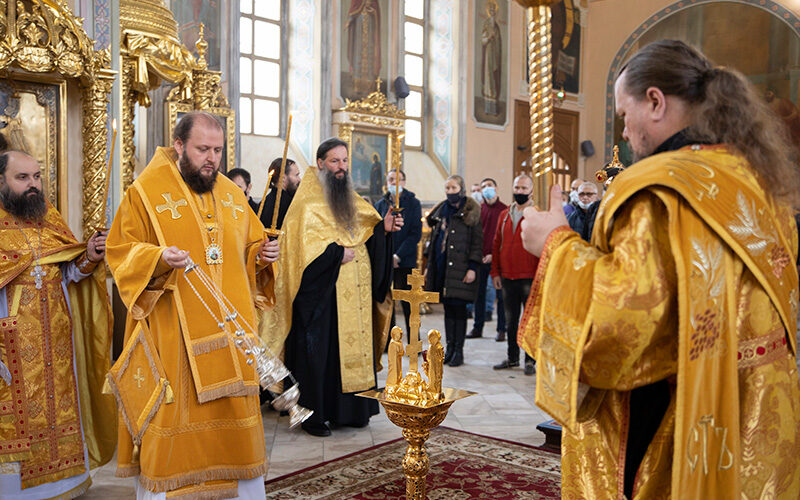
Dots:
pixel 463 466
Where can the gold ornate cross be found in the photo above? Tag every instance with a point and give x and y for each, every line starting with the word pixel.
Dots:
pixel 415 297
pixel 234 208
pixel 170 205
pixel 138 377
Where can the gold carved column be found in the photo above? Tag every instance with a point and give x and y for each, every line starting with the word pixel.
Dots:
pixel 95 122
pixel 540 75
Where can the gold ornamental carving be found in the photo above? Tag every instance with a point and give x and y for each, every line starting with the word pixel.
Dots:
pixel 412 403
pixel 152 54
pixel 375 104
pixel 43 39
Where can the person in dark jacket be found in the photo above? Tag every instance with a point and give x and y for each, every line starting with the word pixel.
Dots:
pixel 291 180
pixel 404 241
pixel 241 178
pixel 582 219
pixel 454 256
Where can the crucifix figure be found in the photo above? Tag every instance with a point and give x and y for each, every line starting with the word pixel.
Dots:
pixel 38 273
pixel 414 297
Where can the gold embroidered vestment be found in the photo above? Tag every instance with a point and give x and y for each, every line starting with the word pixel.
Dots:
pixel 212 435
pixel 362 324
pixel 40 418
pixel 690 277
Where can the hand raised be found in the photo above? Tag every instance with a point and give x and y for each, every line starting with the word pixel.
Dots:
pixel 537 226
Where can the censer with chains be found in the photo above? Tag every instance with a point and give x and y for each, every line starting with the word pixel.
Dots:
pixel 269 368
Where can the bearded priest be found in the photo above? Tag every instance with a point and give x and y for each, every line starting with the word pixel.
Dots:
pixel 188 397
pixel 332 313
pixel 672 365
pixel 55 424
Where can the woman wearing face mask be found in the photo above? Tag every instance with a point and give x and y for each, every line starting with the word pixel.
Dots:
pixel 454 256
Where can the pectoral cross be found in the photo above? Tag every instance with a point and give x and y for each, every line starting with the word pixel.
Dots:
pixel 38 273
pixel 138 377
pixel 414 297
pixel 170 205
pixel 234 208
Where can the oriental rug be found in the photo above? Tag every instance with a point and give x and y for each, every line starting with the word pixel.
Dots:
pixel 462 466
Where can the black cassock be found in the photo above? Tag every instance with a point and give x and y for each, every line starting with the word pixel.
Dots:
pixel 312 347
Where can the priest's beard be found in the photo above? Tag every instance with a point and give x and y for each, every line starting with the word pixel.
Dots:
pixel 191 174
pixel 339 194
pixel 29 206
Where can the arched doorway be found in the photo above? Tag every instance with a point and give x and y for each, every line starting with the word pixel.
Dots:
pixel 769 56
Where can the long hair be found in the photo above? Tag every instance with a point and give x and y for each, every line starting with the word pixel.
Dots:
pixel 725 110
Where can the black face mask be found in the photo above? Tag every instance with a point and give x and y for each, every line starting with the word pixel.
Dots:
pixel 521 199
pixel 453 198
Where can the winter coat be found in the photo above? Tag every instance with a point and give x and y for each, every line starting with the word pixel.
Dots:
pixel 463 250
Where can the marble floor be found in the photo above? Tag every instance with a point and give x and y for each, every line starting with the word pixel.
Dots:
pixel 503 408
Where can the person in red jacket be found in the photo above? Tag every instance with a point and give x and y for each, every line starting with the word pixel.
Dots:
pixel 513 268
pixel 491 208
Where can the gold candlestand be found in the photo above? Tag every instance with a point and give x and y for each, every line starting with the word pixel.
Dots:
pixel 415 405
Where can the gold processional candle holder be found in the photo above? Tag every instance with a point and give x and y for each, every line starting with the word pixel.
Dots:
pixel 415 405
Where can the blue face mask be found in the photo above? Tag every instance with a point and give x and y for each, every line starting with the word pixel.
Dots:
pixel 489 192
pixel 393 189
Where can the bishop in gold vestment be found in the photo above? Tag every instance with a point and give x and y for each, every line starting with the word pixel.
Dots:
pixel 331 292
pixel 55 324
pixel 692 290
pixel 190 423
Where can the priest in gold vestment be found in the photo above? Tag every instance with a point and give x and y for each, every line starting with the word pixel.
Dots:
pixel 671 361
pixel 55 336
pixel 332 313
pixel 189 410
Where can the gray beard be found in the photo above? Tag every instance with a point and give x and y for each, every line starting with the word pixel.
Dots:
pixel 339 195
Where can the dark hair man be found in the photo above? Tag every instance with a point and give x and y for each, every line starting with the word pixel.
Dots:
pixel 241 178
pixel 678 322
pixel 180 208
pixel 338 262
pixel 291 180
pixel 55 341
pixel 491 209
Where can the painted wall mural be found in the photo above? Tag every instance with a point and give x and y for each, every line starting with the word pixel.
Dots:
pixel 364 47
pixel 566 46
pixel 490 63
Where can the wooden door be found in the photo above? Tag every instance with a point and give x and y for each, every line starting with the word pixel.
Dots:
pixel 522 137
pixel 565 142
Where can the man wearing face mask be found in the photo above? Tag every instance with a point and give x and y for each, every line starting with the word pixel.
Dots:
pixel 582 219
pixel 490 213
pixel 475 192
pixel 406 239
pixel 513 268
pixel 573 191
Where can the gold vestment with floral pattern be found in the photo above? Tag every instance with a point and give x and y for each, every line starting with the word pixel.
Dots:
pixel 689 278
